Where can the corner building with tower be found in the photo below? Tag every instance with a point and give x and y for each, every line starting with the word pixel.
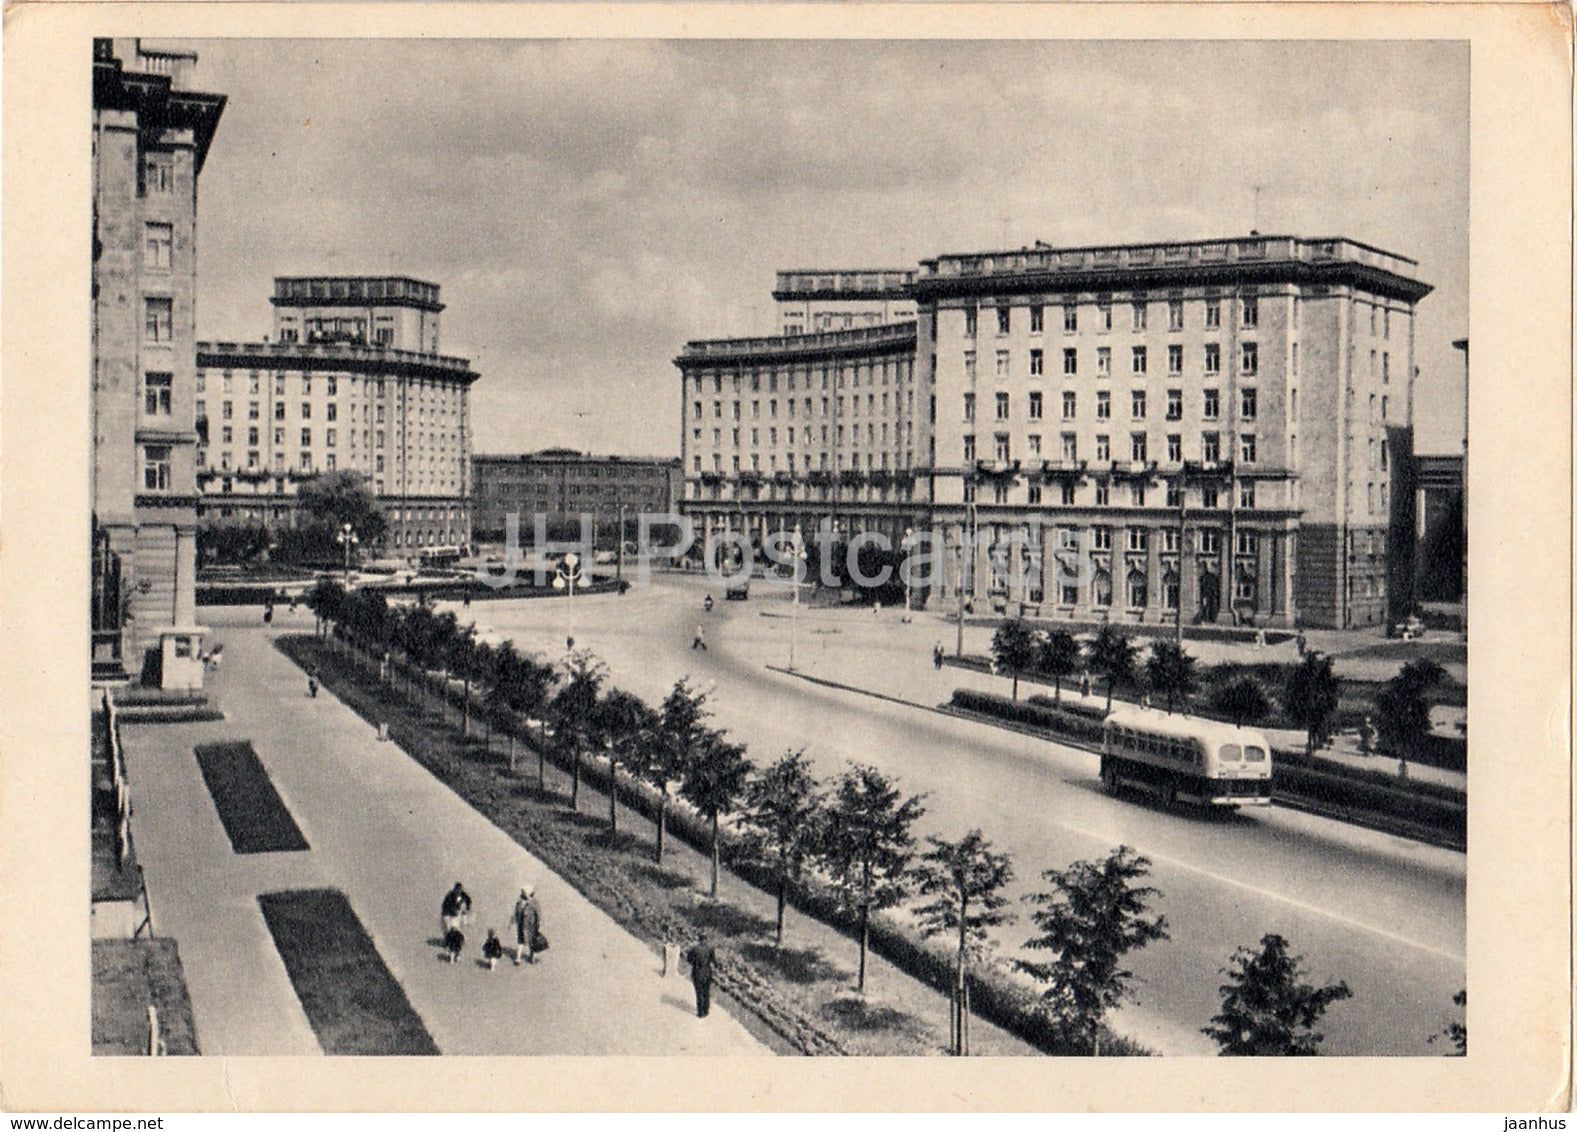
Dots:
pixel 1122 434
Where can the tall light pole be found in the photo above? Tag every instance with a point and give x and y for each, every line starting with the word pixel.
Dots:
pixel 564 578
pixel 347 538
pixel 799 558
pixel 907 574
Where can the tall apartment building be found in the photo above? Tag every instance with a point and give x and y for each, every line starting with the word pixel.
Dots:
pixel 1206 427
pixel 151 134
pixel 811 301
pixel 821 431
pixel 353 380
pixel 562 484
pixel 1122 433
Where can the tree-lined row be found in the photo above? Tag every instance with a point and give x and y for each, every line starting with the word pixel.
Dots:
pixel 851 835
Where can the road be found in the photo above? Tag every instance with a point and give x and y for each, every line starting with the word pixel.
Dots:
pixel 1382 913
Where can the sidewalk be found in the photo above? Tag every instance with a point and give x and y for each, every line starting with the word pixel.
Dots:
pixel 393 839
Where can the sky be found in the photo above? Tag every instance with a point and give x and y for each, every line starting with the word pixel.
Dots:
pixel 589 206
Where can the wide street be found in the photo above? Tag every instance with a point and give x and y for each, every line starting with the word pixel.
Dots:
pixel 1385 914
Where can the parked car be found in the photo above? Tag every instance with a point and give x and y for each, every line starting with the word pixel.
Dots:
pixel 1410 629
pixel 739 592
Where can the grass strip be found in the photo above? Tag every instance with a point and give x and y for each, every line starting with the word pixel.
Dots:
pixel 354 1005
pixel 253 815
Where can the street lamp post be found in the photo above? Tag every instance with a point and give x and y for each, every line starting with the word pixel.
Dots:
pixel 907 574
pixel 564 579
pixel 799 557
pixel 347 538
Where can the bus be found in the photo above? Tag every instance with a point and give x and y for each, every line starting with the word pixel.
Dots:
pixel 1179 758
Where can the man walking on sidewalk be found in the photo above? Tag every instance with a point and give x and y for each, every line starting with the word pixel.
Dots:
pixel 702 956
pixel 528 925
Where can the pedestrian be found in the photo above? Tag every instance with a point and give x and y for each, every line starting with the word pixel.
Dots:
pixel 292 603
pixel 1303 643
pixel 492 949
pixel 700 639
pixel 268 614
pixel 528 925
pixel 936 655
pixel 701 958
pixel 312 686
pixel 455 909
pixel 1259 638
pixel 454 941
pixel 876 611
pixel 1084 683
pixel 707 604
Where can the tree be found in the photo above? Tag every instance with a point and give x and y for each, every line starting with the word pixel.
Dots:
pixel 1058 658
pixel 533 694
pixel 1311 697
pixel 327 602
pixel 1171 672
pixel 466 657
pixel 1455 1032
pixel 966 877
pixel 335 498
pixel 782 815
pixel 713 782
pixel 1014 648
pixel 1112 657
pixel 1093 916
pixel 868 845
pixel 503 677
pixel 681 729
pixel 575 710
pixel 1242 701
pixel 1266 1008
pixel 628 724
pixel 1402 709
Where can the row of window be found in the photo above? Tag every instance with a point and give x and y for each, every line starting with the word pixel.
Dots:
pixel 793 465
pixel 1139 361
pixel 1138 405
pixel 1139 447
pixel 807 437
pixel 254 462
pixel 1138 495
pixel 444 397
pixel 1139 314
pixel 869 373
pixel 792 405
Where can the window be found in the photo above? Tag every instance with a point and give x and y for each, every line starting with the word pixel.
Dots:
pixel 279 438
pixel 1250 357
pixel 1140 360
pixel 1070 361
pixel 1103 317
pixel 378 438
pixel 333 386
pixel 1002 364
pixel 333 411
pixel 1002 406
pixel 1035 406
pixel 158 173
pixel 1174 314
pixel 1211 406
pixel 1138 539
pixel 279 410
pixel 1103 494
pixel 1246 493
pixel 736 410
pixel 330 463
pixel 1103 405
pixel 1037 319
pixel 1174 404
pixel 1248 542
pixel 251 434
pixel 1174 359
pixel 158 320
pixel 971 320
pixel 1248 448
pixel 1212 313
pixel 698 412
pixel 306 461
pixel 1067 495
pixel 1070 447
pixel 1136 494
pixel 1139 445
pixel 1070 405
pixel 1207 498
pixel 156 467
pixel 1388 322
pixel 1140 314
pixel 1174 448
pixel 1250 312
pixel 1103 446
pixel 1034 494
pixel 1385 456
pixel 226 434
pixel 1212 357
pixel 1250 404
pixel 306 410
pixel 1034 443
pixel 969 448
pixel 1385 409
pixel 1004 319
pixel 1101 538
pixel 156 243
pixel 1174 494
pixel 306 438
pixel 1169 544
pixel 1103 361
pixel 1003 450
pixel 1070 319
pixel 1037 362
pixel 969 365
pixel 252 413
pixel 1137 408
pixel 156 394
pixel 1209 541
pixel 969 406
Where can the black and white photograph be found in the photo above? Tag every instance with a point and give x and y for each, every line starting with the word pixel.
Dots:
pixel 880 545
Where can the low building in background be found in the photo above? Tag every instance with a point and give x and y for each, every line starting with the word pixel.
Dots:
pixel 352 381
pixel 561 484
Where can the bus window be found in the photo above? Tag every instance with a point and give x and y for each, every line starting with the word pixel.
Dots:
pixel 1231 753
pixel 1254 754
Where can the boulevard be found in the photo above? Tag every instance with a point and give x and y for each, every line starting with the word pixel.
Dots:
pixel 1383 913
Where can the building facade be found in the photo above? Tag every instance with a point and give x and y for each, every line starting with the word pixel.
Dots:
pixel 811 301
pixel 352 381
pixel 562 484
pixel 151 134
pixel 827 431
pixel 1125 433
pixel 1201 428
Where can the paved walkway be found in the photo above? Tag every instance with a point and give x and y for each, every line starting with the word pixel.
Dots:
pixel 393 839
